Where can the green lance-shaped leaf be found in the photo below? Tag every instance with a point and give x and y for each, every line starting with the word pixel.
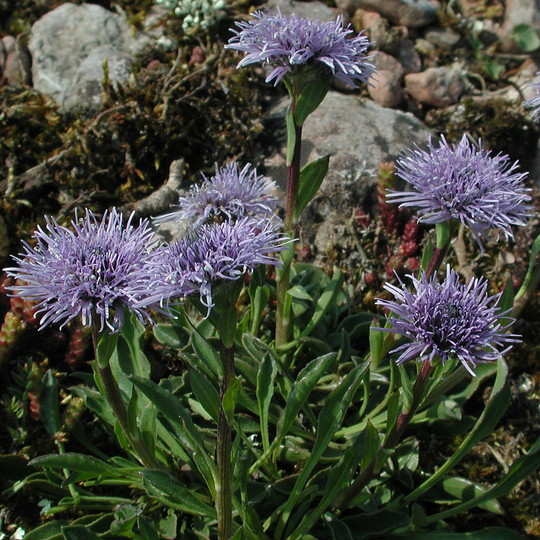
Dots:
pixel 230 399
pixel 330 419
pixel 76 462
pixel 79 532
pixel 311 96
pixel 301 389
pixel 205 393
pixel 531 270
pixel 265 390
pixel 464 490
pixel 336 480
pixel 134 363
pixel 172 335
pixel 496 406
pixel 180 419
pixel 291 136
pixel 162 486
pixel 48 531
pixel 149 427
pixel 311 177
pixel 50 410
pixel 105 348
pixel 376 344
pixel 519 471
pixel 325 301
pixel 206 358
pixel 491 533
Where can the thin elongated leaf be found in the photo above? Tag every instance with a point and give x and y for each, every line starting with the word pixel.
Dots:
pixel 325 301
pixel 208 359
pixel 311 97
pixel 302 387
pixel 76 462
pixel 186 432
pixel 521 469
pixel 148 427
pixel 462 489
pixel 363 448
pixel 311 178
pixel 49 531
pixel 230 399
pixel 79 532
pixel 49 408
pixel 496 406
pixel 535 250
pixel 492 533
pixel 291 136
pixel 265 390
pixel 134 363
pixel 330 419
pixel 105 348
pixel 172 335
pixel 205 393
pixel 133 413
pixel 164 487
pixel 377 523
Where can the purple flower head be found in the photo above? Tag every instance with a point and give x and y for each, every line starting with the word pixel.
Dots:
pixel 230 194
pixel 288 43
pixel 87 271
pixel 534 102
pixel 211 254
pixel 447 320
pixel 466 184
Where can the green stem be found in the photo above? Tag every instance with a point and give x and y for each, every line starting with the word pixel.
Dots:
pixel 391 440
pixel 283 314
pixel 114 398
pixel 223 451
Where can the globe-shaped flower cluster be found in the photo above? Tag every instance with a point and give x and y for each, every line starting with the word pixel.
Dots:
pixel 441 321
pixel 290 44
pixel 463 183
pixel 89 270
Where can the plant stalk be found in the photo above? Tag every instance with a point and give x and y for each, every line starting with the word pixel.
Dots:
pixel 115 400
pixel 283 314
pixel 223 451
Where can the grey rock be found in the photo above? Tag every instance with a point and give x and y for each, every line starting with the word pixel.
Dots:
pixel 385 37
pixel 408 56
pixel 444 38
pixel 437 86
pixel 385 88
pixel 411 13
pixel 309 10
pixel 359 134
pixel 17 67
pixel 387 62
pixel 85 90
pixel 62 39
